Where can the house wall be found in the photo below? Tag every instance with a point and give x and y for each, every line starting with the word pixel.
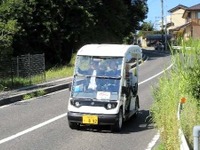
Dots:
pixel 176 18
pixel 196 32
pixel 187 34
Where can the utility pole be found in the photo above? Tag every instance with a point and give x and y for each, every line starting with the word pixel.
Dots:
pixel 162 16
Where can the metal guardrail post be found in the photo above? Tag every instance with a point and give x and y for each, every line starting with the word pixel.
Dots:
pixel 196 131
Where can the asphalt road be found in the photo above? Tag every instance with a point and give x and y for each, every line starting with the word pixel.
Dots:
pixel 41 123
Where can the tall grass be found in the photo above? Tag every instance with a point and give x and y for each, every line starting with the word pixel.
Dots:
pixel 182 81
pixel 61 72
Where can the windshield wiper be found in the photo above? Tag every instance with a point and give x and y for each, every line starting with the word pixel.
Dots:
pixel 82 75
pixel 109 77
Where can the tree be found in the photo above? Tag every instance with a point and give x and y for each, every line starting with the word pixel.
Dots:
pixel 59 28
pixel 147 26
pixel 8 28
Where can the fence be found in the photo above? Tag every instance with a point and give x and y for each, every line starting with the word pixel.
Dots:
pixel 24 66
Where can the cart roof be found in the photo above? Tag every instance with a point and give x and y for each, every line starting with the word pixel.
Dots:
pixel 113 50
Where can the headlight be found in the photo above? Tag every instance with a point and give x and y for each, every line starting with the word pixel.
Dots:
pixel 111 105
pixel 77 104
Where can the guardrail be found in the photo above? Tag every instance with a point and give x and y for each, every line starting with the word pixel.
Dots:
pixel 196 134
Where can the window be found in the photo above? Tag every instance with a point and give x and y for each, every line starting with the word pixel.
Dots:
pixel 198 15
pixel 189 15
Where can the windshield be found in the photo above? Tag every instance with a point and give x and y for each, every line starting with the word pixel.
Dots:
pixel 97 77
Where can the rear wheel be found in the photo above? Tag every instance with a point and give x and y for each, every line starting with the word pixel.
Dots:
pixel 137 106
pixel 135 89
pixel 118 125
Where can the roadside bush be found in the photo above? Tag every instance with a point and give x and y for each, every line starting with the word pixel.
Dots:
pixel 182 81
pixel 164 110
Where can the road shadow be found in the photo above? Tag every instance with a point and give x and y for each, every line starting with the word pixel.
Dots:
pixel 153 54
pixel 141 122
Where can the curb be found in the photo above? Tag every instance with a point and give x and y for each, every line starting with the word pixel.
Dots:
pixel 19 97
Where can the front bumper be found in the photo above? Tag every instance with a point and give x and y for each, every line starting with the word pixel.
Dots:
pixel 103 119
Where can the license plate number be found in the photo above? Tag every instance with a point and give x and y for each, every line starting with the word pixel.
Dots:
pixel 89 119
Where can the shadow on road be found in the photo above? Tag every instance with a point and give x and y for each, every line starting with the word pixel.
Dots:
pixel 136 124
pixel 142 122
pixel 152 54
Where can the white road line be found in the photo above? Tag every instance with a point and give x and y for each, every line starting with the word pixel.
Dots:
pixel 153 142
pixel 32 128
pixel 155 75
pixel 64 115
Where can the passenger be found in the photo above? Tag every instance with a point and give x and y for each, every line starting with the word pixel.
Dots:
pixel 113 70
pixel 93 66
pixel 101 70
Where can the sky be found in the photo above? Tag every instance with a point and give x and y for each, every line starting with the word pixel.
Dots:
pixel 155 10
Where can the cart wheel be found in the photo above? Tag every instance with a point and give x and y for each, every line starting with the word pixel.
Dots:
pixel 135 91
pixel 137 106
pixel 118 125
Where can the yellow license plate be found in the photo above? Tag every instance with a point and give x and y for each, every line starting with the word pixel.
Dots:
pixel 89 119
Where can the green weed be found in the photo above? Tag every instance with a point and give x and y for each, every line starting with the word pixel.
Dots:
pixel 34 94
pixel 182 81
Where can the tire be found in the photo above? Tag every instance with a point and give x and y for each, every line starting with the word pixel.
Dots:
pixel 135 91
pixel 118 125
pixel 73 125
pixel 137 106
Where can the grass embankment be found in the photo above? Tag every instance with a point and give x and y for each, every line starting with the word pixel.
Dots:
pixel 182 81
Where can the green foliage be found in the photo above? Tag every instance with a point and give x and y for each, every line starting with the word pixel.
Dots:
pixel 40 93
pixel 160 147
pixel 28 96
pixel 147 26
pixel 59 28
pixel 164 110
pixel 34 94
pixel 51 74
pixel 181 81
pixel 7 83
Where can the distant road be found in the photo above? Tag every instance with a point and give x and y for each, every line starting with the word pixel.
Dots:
pixel 42 124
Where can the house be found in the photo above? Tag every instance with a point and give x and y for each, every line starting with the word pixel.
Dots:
pixel 175 19
pixel 191 27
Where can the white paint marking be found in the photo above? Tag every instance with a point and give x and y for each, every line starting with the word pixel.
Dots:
pixel 155 75
pixel 153 142
pixel 32 128
pixel 156 137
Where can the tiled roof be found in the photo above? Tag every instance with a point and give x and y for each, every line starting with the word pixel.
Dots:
pixel 192 8
pixel 185 25
pixel 195 7
pixel 180 6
